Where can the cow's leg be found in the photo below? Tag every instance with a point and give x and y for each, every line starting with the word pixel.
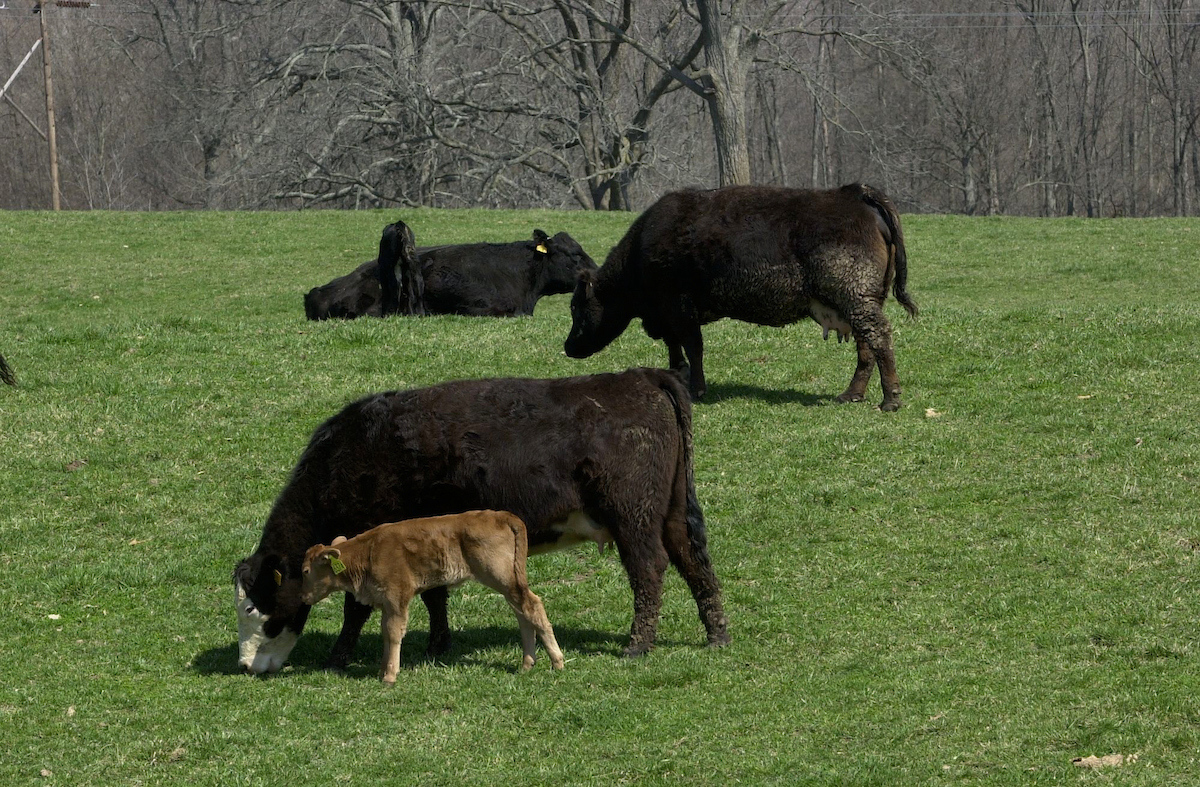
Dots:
pixel 870 326
pixel 645 562
pixel 693 345
pixel 395 622
pixel 435 600
pixel 689 554
pixel 354 617
pixel 675 358
pixel 857 390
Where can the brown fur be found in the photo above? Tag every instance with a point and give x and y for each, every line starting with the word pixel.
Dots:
pixel 390 564
pixel 765 255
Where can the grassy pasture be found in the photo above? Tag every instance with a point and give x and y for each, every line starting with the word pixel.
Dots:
pixel 995 580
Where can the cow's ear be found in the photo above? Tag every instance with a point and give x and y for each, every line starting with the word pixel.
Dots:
pixel 586 280
pixel 540 238
pixel 338 540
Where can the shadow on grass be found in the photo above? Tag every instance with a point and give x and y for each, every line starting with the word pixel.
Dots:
pixel 720 391
pixel 465 649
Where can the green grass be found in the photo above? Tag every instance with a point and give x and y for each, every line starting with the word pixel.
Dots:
pixel 997 579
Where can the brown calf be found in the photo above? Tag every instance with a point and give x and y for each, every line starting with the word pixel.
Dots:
pixel 387 565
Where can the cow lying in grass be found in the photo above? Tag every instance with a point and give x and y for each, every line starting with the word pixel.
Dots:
pixel 475 279
pixel 390 564
pixel 364 289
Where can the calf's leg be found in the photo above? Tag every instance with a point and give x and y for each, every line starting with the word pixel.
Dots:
pixel 395 623
pixel 531 616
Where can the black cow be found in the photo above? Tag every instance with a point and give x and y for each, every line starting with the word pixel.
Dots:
pixel 477 279
pixel 765 255
pixel 6 372
pixel 605 458
pixel 500 279
pixel 361 291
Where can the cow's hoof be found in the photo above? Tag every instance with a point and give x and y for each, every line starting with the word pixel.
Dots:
pixel 336 663
pixel 719 640
pixel 439 645
pixel 850 396
pixel 890 405
pixel 636 651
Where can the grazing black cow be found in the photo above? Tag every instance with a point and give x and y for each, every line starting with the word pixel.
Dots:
pixel 477 279
pixel 605 458
pixel 361 291
pixel 765 255
pixel 6 373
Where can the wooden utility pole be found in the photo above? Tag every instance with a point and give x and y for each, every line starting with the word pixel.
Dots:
pixel 50 135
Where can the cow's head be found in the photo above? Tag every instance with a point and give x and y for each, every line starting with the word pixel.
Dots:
pixel 270 613
pixel 562 260
pixel 322 572
pixel 595 321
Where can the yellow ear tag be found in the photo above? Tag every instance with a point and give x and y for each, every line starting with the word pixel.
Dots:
pixel 278 578
pixel 542 248
pixel 337 565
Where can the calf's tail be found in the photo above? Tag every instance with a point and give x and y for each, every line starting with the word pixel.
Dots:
pixel 397 247
pixel 6 372
pixel 887 211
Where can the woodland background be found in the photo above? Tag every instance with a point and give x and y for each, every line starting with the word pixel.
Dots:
pixel 1032 107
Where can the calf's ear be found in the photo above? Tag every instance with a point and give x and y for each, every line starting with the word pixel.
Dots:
pixel 334 556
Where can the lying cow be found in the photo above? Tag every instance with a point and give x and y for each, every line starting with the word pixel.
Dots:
pixel 388 565
pixel 475 279
pixel 361 291
pixel 604 458
pixel 765 255
pixel 6 372
pixel 500 279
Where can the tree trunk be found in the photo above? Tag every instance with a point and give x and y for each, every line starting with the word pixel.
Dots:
pixel 728 58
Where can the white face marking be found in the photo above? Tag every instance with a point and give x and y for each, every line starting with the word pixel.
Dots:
pixel 575 529
pixel 258 653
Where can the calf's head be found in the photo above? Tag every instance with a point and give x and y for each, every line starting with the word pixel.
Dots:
pixel 563 260
pixel 270 614
pixel 322 572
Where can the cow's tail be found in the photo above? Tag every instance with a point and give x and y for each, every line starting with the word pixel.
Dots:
pixel 681 401
pixel 6 372
pixel 897 258
pixel 397 247
pixel 695 565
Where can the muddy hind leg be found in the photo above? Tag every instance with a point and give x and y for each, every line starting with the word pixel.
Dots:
pixel 857 390
pixel 873 333
pixel 688 550
pixel 646 565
